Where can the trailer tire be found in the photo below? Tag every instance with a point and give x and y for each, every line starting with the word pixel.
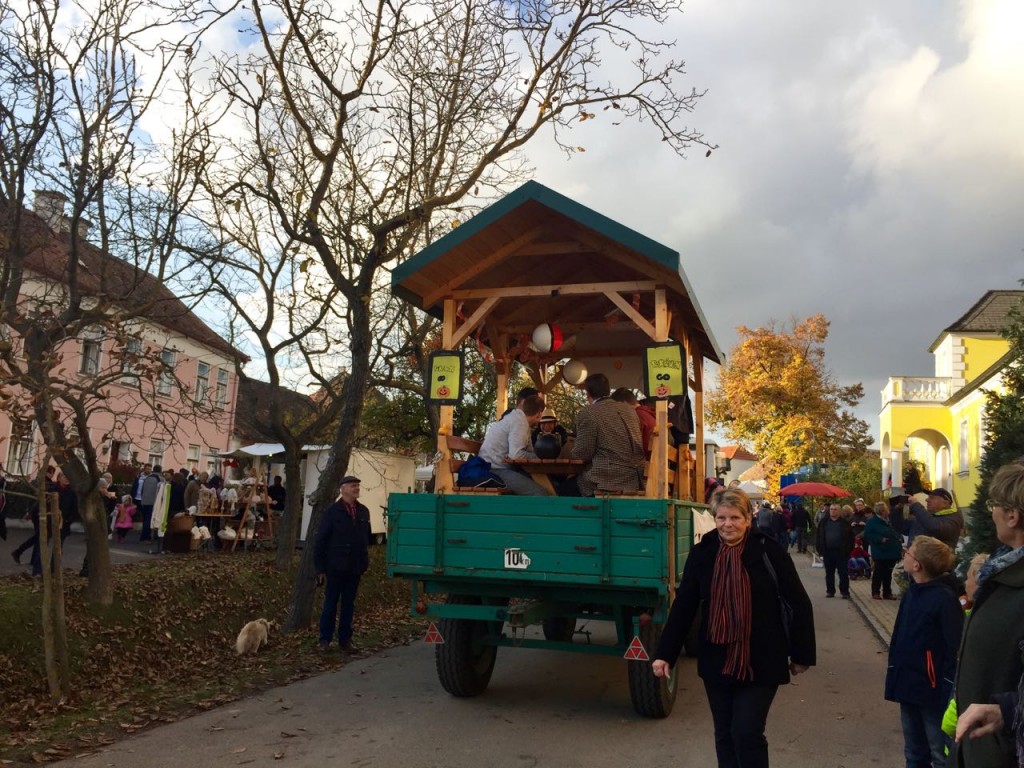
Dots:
pixel 464 662
pixel 652 696
pixel 559 628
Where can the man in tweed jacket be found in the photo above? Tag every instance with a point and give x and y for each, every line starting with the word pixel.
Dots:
pixel 608 439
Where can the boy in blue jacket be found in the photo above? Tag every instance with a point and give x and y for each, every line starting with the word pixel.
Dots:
pixel 922 653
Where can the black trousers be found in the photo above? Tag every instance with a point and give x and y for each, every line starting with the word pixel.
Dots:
pixel 881 577
pixel 836 561
pixel 740 712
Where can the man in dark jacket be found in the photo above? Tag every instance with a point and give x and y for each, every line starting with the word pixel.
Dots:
pixel 936 517
pixel 834 542
pixel 800 523
pixel 341 557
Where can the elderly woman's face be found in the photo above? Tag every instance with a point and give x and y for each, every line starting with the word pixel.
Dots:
pixel 1006 519
pixel 732 523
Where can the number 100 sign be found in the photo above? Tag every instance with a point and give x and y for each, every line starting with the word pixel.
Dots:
pixel 664 372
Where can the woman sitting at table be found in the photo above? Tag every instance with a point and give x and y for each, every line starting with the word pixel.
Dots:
pixel 509 438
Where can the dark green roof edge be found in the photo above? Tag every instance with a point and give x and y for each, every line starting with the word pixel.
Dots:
pixel 983 379
pixel 533 190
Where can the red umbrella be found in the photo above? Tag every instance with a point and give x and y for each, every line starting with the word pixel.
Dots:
pixel 813 489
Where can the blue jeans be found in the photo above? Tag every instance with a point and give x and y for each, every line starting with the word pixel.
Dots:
pixel 739 712
pixel 341 587
pixel 924 743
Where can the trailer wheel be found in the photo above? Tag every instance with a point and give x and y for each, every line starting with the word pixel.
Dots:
pixel 652 696
pixel 559 628
pixel 464 662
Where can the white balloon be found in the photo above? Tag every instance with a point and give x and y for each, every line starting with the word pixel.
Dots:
pixel 574 372
pixel 546 338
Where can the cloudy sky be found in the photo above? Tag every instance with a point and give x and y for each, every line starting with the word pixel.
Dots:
pixel 871 167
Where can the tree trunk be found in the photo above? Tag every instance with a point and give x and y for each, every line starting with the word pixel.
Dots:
pixel 303 590
pixel 100 590
pixel 291 522
pixel 55 641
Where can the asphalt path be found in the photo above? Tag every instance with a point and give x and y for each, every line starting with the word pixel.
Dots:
pixel 542 709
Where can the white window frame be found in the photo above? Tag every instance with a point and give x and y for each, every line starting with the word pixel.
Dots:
pixel 202 381
pixel 194 456
pixel 156 452
pixel 21 453
pixel 92 351
pixel 221 395
pixel 981 435
pixel 965 446
pixel 165 382
pixel 129 371
pixel 212 462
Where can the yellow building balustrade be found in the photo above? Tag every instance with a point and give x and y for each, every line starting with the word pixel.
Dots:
pixel 917 389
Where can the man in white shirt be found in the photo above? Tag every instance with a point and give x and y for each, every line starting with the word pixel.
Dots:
pixel 509 437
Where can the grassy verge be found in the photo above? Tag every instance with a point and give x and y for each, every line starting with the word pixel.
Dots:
pixel 165 649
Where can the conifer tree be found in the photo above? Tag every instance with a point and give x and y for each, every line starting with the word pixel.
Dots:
pixel 1004 431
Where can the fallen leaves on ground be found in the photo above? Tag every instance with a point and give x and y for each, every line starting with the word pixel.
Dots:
pixel 165 649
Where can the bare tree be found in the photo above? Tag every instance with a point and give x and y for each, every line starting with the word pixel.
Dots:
pixel 81 270
pixel 357 125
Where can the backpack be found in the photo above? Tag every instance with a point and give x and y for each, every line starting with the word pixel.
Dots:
pixel 765 519
pixel 476 473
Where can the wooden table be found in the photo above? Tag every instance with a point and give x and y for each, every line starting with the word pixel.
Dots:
pixel 540 470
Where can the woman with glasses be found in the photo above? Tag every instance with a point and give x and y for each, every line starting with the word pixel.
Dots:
pixel 989 730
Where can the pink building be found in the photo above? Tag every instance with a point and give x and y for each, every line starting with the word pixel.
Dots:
pixel 162 383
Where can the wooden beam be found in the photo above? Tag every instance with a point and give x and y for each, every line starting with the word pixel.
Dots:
pixel 698 416
pixel 443 482
pixel 557 289
pixel 631 313
pixel 482 265
pixel 460 334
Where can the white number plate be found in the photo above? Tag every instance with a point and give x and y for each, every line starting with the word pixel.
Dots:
pixel 516 558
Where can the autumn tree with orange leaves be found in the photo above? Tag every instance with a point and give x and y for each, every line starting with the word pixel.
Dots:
pixel 776 394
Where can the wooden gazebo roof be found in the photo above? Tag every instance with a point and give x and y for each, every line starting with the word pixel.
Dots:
pixel 536 242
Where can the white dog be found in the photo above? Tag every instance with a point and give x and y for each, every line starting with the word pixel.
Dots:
pixel 253 635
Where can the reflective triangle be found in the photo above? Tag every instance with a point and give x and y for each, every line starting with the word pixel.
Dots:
pixel 636 651
pixel 433 636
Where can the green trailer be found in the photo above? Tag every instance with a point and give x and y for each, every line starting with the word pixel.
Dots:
pixel 505 563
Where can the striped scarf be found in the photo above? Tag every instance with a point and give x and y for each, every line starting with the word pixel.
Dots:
pixel 730 612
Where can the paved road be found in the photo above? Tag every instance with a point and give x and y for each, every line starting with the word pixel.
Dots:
pixel 543 709
pixel 73 552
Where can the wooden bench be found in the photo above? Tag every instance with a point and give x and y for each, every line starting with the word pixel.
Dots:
pixel 457 444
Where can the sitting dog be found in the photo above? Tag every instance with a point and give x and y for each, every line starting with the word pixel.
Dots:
pixel 253 635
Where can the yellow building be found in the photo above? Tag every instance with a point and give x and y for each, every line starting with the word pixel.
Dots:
pixel 939 420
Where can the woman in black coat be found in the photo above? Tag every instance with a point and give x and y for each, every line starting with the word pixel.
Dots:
pixel 734 577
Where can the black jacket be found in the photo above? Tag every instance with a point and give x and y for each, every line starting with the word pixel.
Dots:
pixel 769 653
pixel 847 535
pixel 925 639
pixel 342 544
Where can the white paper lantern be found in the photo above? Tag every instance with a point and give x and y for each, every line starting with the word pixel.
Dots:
pixel 547 337
pixel 574 372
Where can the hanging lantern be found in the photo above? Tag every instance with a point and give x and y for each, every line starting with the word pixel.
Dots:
pixel 574 372
pixel 547 337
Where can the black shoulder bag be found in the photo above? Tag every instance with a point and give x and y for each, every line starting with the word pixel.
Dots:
pixel 785 609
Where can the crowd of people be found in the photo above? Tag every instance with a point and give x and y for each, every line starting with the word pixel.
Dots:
pixel 612 438
pixel 956 657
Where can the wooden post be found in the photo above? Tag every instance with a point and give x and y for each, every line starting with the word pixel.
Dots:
pixel 446 419
pixel 698 415
pixel 659 448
